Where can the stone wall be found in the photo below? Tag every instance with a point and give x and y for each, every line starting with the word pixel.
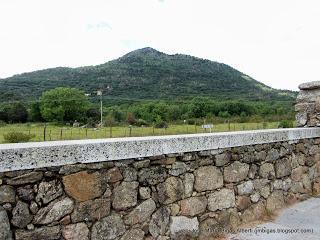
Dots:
pixel 308 105
pixel 177 195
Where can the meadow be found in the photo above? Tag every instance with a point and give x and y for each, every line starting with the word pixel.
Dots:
pixel 54 132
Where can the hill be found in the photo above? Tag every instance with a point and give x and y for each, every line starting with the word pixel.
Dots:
pixel 146 74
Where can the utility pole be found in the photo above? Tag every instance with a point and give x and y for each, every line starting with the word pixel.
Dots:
pixel 99 93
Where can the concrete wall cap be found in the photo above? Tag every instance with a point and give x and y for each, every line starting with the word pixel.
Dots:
pixel 310 85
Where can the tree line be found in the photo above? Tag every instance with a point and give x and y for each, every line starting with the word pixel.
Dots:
pixel 69 104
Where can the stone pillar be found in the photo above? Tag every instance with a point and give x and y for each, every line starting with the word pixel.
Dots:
pixel 308 105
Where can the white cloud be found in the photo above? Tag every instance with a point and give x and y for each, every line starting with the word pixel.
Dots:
pixel 276 42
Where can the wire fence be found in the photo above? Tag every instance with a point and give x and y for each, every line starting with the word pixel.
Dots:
pixel 43 132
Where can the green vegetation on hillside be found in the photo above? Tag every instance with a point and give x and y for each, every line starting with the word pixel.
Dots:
pixel 146 74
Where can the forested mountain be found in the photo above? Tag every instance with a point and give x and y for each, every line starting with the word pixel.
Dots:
pixel 146 74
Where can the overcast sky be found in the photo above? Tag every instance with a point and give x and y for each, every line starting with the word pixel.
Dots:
pixel 276 42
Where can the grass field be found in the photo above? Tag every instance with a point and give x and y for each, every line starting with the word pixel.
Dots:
pixel 54 132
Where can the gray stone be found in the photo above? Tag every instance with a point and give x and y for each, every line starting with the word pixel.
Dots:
pixel 125 195
pixel 261 156
pixel 141 213
pixel 30 226
pixel 77 231
pixel 306 182
pixel 222 159
pixel 108 228
pixel 273 155
pixel 5 232
pixel 314 150
pixel 254 212
pixel 286 184
pixel 130 174
pixel 308 96
pixel 252 171
pixel 211 229
pixel 34 207
pixel 188 184
pixel 245 188
pixel 310 85
pixel 275 201
pixel 255 197
pixel 188 157
pixel 47 233
pixel 265 191
pixel 208 178
pixel 91 210
pixel 277 184
pixel 171 190
pixel 178 168
pixel 107 192
pixel 267 171
pixel 48 191
pixel 133 234
pixel 223 199
pixel 184 228
pixel 26 193
pixel 7 194
pixel 193 206
pixel 159 222
pixel 297 187
pixel 141 164
pixel 26 178
pixel 54 211
pixel 144 193
pixel 21 216
pixel 258 184
pixel 69 169
pixel 152 175
pixel 112 175
pixel 301 119
pixel 236 172
pixel 283 168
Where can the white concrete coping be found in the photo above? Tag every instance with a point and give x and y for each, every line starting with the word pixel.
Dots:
pixel 34 155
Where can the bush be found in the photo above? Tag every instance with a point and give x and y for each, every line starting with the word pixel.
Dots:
pixel 191 121
pixel 141 122
pixel 17 137
pixel 285 124
pixel 2 123
pixel 161 124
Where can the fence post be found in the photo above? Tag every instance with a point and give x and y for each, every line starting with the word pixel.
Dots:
pixel 44 132
pixel 60 133
pixel 130 130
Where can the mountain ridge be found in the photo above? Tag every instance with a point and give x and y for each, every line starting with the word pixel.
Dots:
pixel 146 74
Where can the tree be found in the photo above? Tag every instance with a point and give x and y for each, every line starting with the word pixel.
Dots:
pixel 35 113
pixel 3 116
pixel 64 104
pixel 131 119
pixel 16 112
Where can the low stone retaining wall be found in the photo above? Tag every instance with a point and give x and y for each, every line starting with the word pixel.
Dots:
pixel 154 188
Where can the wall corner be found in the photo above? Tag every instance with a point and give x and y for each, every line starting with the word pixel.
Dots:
pixel 308 105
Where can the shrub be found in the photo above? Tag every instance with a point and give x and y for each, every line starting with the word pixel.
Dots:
pixel 141 122
pixel 285 124
pixel 2 123
pixel 191 121
pixel 161 124
pixel 17 137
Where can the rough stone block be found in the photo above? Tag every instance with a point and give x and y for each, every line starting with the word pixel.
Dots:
pixel 83 186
